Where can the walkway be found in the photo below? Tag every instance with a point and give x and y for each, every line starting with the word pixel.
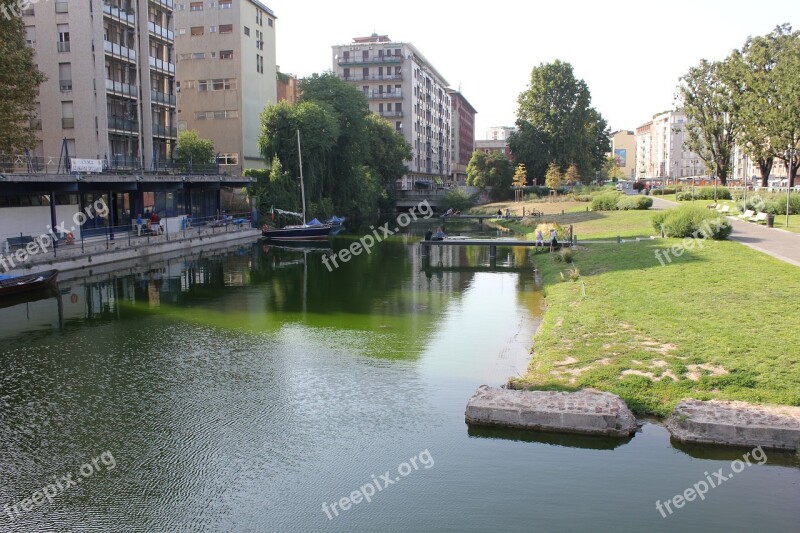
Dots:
pixel 778 243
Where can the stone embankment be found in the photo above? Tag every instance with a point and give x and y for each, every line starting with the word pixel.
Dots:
pixel 736 424
pixel 586 412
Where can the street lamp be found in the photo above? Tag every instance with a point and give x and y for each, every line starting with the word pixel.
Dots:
pixel 790 156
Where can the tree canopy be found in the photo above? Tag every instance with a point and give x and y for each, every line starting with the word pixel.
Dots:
pixel 19 82
pixel 556 123
pixel 490 170
pixel 351 157
pixel 194 151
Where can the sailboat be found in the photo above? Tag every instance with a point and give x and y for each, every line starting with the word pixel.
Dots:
pixel 311 231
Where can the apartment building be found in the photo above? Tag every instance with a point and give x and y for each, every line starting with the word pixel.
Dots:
pixel 109 92
pixel 623 149
pixel 226 74
pixel 402 86
pixel 660 150
pixel 288 87
pixel 499 133
pixel 463 135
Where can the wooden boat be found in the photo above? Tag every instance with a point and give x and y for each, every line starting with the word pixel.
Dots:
pixel 12 285
pixel 311 231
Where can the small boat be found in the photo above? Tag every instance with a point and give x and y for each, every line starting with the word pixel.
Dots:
pixel 335 221
pixel 10 285
pixel 311 231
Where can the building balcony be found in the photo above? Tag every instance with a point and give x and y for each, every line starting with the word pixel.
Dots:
pixel 160 130
pixel 165 3
pixel 376 60
pixel 67 123
pixel 122 52
pixel 160 31
pixel 123 124
pixel 163 66
pixel 120 88
pixel 397 95
pixel 385 77
pixel 65 85
pixel 390 114
pixel 162 98
pixel 63 47
pixel 116 13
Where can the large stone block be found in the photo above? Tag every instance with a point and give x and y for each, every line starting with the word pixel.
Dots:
pixel 587 412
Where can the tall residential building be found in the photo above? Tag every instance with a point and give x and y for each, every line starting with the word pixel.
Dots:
pixel 499 133
pixel 660 149
pixel 110 72
pixel 226 74
pixel 623 149
pixel 463 134
pixel 403 87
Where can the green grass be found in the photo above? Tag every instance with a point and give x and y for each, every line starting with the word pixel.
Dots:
pixel 595 224
pixel 705 308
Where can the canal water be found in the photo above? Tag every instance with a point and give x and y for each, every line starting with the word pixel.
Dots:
pixel 252 390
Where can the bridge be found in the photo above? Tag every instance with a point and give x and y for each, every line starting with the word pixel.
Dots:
pixel 424 246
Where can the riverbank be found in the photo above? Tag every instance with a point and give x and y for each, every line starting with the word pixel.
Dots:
pixel 699 327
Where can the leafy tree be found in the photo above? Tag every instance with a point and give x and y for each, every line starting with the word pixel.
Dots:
pixel 706 96
pixel 553 178
pixel 490 170
pixel 572 176
pixel 610 170
pixel 19 82
pixel 520 176
pixel 556 123
pixel 387 151
pixel 193 151
pixel 767 97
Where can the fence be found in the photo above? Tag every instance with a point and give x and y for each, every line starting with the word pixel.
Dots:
pixel 24 164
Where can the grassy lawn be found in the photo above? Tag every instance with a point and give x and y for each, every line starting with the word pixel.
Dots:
pixel 594 224
pixel 700 327
pixel 548 208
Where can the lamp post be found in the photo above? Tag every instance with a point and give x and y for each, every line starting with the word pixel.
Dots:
pixel 790 155
pixel 716 164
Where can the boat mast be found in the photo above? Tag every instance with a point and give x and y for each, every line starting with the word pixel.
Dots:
pixel 302 187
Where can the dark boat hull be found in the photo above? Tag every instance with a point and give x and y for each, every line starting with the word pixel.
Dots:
pixel 27 283
pixel 314 233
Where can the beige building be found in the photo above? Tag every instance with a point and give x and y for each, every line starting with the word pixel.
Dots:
pixel 226 74
pixel 623 149
pixel 110 80
pixel 402 86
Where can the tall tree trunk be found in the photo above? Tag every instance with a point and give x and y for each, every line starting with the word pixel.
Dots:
pixel 765 167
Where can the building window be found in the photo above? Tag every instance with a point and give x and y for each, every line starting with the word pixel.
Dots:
pixel 226 28
pixel 198 30
pixel 67 117
pixel 195 6
pixel 62 7
pixel 212 29
pixel 228 159
pixel 226 54
pixel 216 115
pixel 225 4
pixel 246 31
pixel 270 22
pixel 346 73
pixel 198 55
pixel 65 76
pixel 63 37
pixel 188 84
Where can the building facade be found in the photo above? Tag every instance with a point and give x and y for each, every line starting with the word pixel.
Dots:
pixel 403 87
pixel 491 146
pixel 660 150
pixel 226 74
pixel 499 133
pixel 463 135
pixel 110 71
pixel 623 150
pixel 288 88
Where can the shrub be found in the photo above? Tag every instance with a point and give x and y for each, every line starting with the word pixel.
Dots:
pixel 583 198
pixel 684 196
pixel 771 203
pixel 566 255
pixel 707 193
pixel 692 221
pixel 605 202
pixel 662 192
pixel 456 199
pixel 628 203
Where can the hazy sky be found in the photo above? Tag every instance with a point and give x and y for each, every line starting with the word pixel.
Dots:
pixel 630 53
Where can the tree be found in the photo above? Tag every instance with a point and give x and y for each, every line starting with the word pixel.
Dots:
pixel 194 152
pixel 553 178
pixel 19 82
pixel 572 176
pixel 520 176
pixel 610 170
pixel 767 97
pixel 490 170
pixel 706 96
pixel 556 123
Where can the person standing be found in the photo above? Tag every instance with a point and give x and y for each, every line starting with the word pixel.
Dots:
pixel 539 239
pixel 553 239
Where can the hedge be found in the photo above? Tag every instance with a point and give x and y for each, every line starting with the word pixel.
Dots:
pixel 692 221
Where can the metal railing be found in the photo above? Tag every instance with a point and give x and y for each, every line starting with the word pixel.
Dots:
pixel 116 164
pixel 379 94
pixel 162 98
pixel 385 77
pixel 372 59
pixel 27 248
pixel 122 88
pixel 63 46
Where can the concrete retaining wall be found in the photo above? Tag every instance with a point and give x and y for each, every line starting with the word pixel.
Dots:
pixel 586 412
pixel 736 424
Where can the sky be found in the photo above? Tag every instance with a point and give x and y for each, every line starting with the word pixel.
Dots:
pixel 630 53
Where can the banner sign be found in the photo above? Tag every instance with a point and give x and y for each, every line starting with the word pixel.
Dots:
pixel 86 165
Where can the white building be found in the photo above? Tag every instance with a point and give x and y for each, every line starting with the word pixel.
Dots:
pixel 660 152
pixel 499 133
pixel 402 86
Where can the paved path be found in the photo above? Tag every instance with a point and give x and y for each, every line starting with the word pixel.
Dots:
pixel 778 243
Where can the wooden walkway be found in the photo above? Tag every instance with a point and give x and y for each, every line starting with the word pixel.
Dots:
pixel 424 246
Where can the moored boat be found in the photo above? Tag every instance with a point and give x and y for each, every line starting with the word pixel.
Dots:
pixel 12 285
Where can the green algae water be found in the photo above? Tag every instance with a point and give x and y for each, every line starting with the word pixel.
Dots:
pixel 252 390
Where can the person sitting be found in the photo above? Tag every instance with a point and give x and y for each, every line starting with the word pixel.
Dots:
pixel 508 213
pixel 539 239
pixel 499 213
pixel 439 235
pixel 449 212
pixel 188 221
pixel 428 235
